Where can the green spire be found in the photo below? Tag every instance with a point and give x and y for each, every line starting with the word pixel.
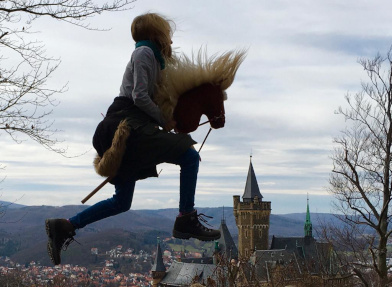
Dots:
pixel 308 223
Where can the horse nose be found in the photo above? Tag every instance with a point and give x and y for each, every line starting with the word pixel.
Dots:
pixel 218 123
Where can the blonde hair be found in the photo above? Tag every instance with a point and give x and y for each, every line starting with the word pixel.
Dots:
pixel 183 74
pixel 156 28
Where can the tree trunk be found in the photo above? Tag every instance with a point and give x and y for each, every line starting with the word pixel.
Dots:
pixel 382 252
pixel 360 179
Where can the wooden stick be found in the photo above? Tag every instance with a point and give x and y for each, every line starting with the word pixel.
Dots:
pixel 205 139
pixel 96 189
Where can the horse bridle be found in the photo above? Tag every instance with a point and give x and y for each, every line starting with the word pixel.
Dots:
pixel 222 115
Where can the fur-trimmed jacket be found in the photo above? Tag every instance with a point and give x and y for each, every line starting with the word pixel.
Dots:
pixel 130 144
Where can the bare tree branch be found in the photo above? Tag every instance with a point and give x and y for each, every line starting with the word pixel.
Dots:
pixel 361 176
pixel 26 98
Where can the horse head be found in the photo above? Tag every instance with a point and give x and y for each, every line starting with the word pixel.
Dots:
pixel 214 105
pixel 191 87
pixel 206 99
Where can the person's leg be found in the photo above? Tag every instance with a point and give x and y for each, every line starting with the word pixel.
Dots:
pixel 189 163
pixel 187 224
pixel 61 231
pixel 120 202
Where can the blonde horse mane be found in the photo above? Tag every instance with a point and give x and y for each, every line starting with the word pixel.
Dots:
pixel 183 74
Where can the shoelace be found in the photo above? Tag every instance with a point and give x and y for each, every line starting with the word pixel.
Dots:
pixel 67 242
pixel 201 217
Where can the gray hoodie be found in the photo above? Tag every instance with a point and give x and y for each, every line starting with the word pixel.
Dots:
pixel 139 82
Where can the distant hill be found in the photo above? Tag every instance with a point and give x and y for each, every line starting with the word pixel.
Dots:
pixel 23 236
pixel 21 218
pixel 9 205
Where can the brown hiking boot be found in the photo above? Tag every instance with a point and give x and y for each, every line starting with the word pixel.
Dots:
pixel 188 225
pixel 60 233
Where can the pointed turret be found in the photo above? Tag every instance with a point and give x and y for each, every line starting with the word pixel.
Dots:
pixel 251 186
pixel 158 263
pixel 308 223
pixel 226 243
pixel 252 217
pixel 158 269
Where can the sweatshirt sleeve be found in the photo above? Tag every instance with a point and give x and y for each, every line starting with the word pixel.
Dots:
pixel 144 63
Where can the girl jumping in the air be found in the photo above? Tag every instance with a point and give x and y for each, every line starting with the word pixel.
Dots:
pixel 135 117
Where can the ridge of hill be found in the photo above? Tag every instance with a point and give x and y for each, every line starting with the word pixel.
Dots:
pixel 23 235
pixel 21 218
pixel 16 220
pixel 9 205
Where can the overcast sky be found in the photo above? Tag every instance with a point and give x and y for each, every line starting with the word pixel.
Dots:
pixel 301 62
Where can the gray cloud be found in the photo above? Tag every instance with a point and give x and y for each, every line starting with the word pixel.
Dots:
pixel 301 62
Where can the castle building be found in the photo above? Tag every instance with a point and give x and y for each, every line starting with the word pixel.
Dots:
pixel 291 260
pixel 286 261
pixel 225 244
pixel 182 273
pixel 252 217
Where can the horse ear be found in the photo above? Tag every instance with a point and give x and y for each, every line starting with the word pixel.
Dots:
pixel 224 95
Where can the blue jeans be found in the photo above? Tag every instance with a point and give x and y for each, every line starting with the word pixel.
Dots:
pixel 122 199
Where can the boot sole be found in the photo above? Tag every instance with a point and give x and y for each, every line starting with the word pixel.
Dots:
pixel 181 235
pixel 49 245
pixel 47 227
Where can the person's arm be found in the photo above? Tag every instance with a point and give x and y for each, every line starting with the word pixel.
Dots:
pixel 144 65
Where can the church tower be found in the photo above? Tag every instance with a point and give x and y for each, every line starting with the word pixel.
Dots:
pixel 308 223
pixel 158 269
pixel 252 217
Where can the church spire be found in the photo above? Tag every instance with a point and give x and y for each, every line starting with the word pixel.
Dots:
pixel 308 223
pixel 251 187
pixel 158 264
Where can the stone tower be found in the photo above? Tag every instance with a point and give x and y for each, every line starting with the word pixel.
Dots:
pixel 252 217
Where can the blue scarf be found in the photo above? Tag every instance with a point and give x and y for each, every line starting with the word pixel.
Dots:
pixel 154 48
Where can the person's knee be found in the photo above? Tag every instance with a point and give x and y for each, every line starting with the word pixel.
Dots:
pixel 124 193
pixel 192 156
pixel 122 205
